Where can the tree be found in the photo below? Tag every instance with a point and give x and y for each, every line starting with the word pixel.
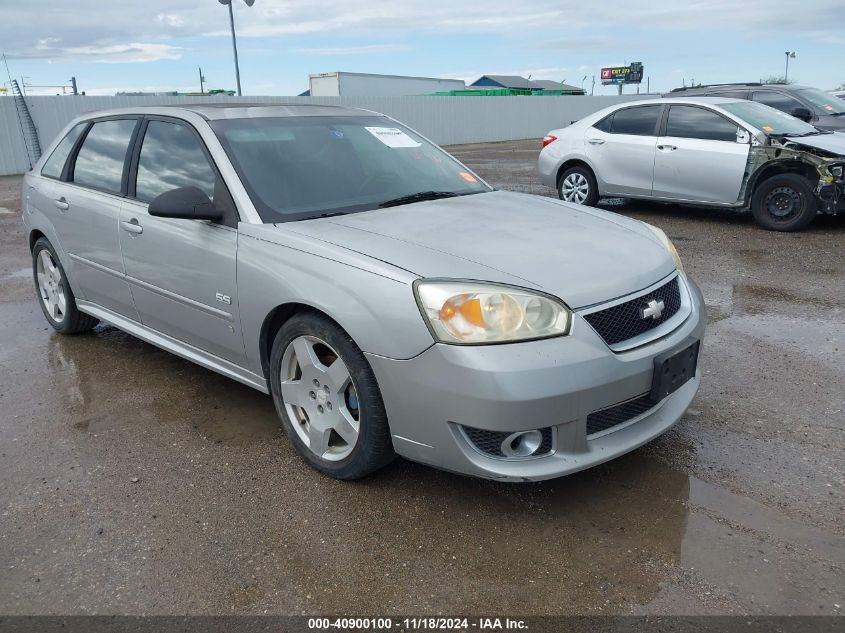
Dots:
pixel 776 79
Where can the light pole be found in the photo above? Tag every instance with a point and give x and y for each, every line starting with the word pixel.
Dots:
pixel 248 3
pixel 789 54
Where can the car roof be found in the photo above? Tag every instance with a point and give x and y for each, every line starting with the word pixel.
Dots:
pixel 692 99
pixel 738 86
pixel 215 111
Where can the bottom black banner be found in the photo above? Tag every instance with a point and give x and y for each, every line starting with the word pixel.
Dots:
pixel 409 624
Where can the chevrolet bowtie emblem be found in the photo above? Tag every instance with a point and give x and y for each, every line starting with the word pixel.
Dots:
pixel 652 310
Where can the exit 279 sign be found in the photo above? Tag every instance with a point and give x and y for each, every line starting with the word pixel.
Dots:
pixel 630 74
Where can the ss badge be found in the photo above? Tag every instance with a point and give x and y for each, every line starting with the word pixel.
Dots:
pixel 223 298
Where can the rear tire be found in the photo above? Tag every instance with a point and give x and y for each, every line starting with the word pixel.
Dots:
pixel 328 399
pixel 55 296
pixel 784 203
pixel 578 186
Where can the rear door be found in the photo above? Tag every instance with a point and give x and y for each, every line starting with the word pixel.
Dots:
pixel 85 209
pixel 182 272
pixel 622 146
pixel 698 158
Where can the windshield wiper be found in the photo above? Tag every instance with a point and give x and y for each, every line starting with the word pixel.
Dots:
pixel 420 196
pixel 814 133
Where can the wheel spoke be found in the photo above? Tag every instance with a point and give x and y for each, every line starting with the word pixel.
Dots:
pixel 293 392
pixel 61 302
pixel 305 354
pixel 347 427
pixel 338 374
pixel 318 438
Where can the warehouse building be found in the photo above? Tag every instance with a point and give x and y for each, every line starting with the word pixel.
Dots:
pixel 515 82
pixel 343 84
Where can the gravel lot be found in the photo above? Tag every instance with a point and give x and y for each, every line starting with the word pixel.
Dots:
pixel 136 482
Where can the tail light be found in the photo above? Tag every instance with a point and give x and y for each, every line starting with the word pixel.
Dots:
pixel 549 138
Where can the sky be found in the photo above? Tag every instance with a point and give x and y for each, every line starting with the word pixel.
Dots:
pixel 157 45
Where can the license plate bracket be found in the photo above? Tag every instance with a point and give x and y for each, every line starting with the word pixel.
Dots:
pixel 674 369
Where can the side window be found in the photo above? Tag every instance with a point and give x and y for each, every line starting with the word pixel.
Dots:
pixel 55 165
pixel 692 122
pixel 172 157
pixel 100 161
pixel 776 100
pixel 639 121
pixel 605 124
pixel 731 94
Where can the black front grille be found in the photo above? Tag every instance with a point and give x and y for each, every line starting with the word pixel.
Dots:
pixel 490 442
pixel 625 320
pixel 599 421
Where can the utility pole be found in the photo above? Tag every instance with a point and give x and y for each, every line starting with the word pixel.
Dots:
pixel 789 54
pixel 593 87
pixel 202 80
pixel 73 85
pixel 248 3
pixel 235 49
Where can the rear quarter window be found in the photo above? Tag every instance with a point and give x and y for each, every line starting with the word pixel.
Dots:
pixel 55 165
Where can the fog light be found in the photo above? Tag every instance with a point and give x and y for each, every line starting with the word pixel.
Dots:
pixel 522 443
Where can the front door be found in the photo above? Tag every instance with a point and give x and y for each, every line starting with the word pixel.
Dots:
pixel 699 159
pixel 182 272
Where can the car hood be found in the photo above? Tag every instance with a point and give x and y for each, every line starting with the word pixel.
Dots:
pixel 582 255
pixel 833 143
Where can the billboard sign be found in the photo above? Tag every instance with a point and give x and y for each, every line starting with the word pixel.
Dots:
pixel 630 74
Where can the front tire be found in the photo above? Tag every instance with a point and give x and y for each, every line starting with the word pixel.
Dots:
pixel 578 185
pixel 784 203
pixel 56 298
pixel 327 398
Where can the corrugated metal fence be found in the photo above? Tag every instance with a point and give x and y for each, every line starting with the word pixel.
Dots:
pixel 445 120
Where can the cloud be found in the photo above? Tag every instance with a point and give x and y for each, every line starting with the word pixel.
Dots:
pixel 371 49
pixel 171 19
pixel 99 25
pixel 134 53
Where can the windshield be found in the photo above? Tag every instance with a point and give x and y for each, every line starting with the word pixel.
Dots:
pixel 296 168
pixel 824 101
pixel 771 121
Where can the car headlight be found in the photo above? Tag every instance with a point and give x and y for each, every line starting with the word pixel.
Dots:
pixel 470 312
pixel 836 171
pixel 667 243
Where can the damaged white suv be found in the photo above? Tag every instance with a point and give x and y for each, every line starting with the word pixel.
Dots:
pixel 704 151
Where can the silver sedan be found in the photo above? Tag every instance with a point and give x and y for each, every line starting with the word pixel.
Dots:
pixel 388 299
pixel 706 151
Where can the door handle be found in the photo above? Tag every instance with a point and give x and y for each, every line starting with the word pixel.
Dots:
pixel 132 227
pixel 595 141
pixel 667 148
pixel 62 204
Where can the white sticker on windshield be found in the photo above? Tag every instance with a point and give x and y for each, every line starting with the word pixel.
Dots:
pixel 393 137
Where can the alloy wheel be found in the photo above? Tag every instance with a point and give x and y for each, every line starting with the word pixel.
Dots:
pixel 575 188
pixel 320 398
pixel 50 286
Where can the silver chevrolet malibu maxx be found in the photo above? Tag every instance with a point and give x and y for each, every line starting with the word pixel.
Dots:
pixel 388 299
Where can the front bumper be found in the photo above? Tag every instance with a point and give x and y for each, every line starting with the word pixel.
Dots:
pixel 832 197
pixel 550 383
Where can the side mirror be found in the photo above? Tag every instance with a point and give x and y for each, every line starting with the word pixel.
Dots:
pixel 186 203
pixel 743 136
pixel 802 113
